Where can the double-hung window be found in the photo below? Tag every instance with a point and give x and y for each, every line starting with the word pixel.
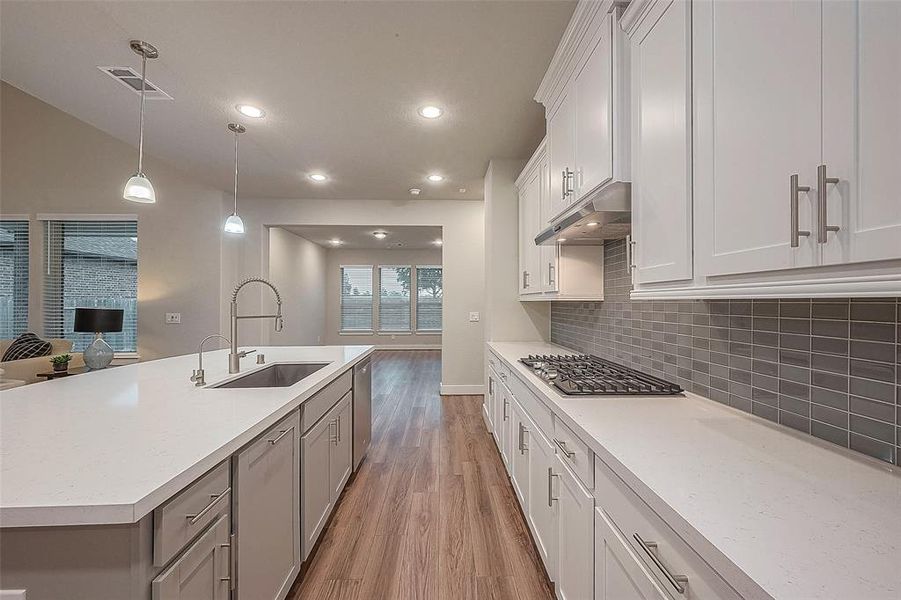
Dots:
pixel 13 277
pixel 356 299
pixel 429 295
pixel 394 299
pixel 91 264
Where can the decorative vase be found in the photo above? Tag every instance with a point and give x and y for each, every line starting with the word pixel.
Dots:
pixel 99 354
pixel 60 367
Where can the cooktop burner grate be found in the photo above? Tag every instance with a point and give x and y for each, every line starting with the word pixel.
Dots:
pixel 586 375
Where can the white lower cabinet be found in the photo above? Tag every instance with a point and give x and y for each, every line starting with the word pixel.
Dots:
pixel 618 573
pixel 267 512
pixel 575 535
pixel 326 450
pixel 519 456
pixel 202 572
pixel 542 512
pixel 490 406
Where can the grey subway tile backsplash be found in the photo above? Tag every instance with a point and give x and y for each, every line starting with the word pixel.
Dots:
pixel 825 367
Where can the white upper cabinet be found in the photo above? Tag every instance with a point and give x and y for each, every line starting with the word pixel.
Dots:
pixel 862 130
pixel 585 94
pixel 757 107
pixel 660 40
pixel 561 152
pixel 529 214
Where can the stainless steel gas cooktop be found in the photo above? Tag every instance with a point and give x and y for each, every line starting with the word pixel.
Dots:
pixel 587 375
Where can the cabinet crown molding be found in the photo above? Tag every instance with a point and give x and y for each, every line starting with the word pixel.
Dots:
pixel 636 13
pixel 586 19
pixel 532 164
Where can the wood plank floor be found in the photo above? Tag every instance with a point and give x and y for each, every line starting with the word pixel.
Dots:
pixel 431 513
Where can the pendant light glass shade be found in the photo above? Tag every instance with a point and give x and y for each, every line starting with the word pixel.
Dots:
pixel 234 223
pixel 139 189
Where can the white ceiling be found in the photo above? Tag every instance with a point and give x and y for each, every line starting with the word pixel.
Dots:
pixel 405 237
pixel 340 82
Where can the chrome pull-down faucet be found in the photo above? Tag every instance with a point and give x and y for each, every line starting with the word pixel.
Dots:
pixel 234 357
pixel 198 376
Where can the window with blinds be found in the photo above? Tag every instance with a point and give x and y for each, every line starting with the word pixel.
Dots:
pixel 428 299
pixel 394 299
pixel 13 277
pixel 91 264
pixel 356 299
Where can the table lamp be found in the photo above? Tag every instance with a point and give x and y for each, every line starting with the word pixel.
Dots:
pixel 99 354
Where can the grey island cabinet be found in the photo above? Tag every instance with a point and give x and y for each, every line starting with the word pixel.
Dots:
pixel 238 531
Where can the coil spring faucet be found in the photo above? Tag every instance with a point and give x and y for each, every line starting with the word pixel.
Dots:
pixel 234 357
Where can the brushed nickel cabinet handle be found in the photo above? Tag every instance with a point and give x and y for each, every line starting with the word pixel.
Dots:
pixel 823 226
pixel 338 430
pixel 550 487
pixel 277 438
pixel 522 438
pixel 795 191
pixel 192 519
pixel 229 546
pixel 677 581
pixel 562 445
pixel 563 185
pixel 506 403
pixel 551 273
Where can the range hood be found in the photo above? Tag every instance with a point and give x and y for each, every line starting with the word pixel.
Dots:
pixel 604 215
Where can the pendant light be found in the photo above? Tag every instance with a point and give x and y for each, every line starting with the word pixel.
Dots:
pixel 234 224
pixel 139 188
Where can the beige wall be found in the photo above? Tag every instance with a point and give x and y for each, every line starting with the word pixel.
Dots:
pixel 463 264
pixel 336 258
pixel 507 319
pixel 50 162
pixel 297 267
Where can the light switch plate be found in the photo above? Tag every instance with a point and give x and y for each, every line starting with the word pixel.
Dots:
pixel 473 317
pixel 173 318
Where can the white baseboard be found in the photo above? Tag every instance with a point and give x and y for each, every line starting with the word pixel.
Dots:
pixel 408 347
pixel 12 594
pixel 462 390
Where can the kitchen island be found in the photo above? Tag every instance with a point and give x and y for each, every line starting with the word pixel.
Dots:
pixel 110 479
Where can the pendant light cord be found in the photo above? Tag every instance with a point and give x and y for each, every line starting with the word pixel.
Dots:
pixel 141 134
pixel 236 172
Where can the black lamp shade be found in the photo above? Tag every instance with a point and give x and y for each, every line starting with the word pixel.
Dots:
pixel 98 320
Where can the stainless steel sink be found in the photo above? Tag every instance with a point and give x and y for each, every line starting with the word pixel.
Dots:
pixel 278 375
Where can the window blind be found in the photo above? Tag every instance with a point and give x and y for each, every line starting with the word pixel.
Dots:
pixel 356 298
pixel 91 264
pixel 13 277
pixel 394 299
pixel 429 295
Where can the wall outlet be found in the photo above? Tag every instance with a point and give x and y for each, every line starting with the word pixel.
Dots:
pixel 473 317
pixel 173 318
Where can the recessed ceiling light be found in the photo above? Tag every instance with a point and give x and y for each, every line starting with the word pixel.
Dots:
pixel 380 235
pixel 462 190
pixel 415 191
pixel 430 112
pixel 435 178
pixel 335 242
pixel 318 177
pixel 561 239
pixel 438 242
pixel 250 111
pixel 592 224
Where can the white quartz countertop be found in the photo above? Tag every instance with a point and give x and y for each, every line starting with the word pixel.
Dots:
pixel 110 446
pixel 777 513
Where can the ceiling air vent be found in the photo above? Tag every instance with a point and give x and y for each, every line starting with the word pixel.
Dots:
pixel 132 80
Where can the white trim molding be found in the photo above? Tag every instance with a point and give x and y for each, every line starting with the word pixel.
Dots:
pixel 408 347
pixel 86 217
pixel 462 390
pixel 872 286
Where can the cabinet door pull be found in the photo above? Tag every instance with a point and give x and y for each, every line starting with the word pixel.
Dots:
pixel 677 581
pixel 277 438
pixel 795 191
pixel 550 486
pixel 522 438
pixel 192 519
pixel 551 273
pixel 823 226
pixel 567 452
pixel 506 403
pixel 563 185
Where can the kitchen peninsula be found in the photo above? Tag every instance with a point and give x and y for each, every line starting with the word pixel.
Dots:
pixel 137 475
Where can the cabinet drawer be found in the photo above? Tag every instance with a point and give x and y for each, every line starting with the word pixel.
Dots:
pixel 313 409
pixel 532 406
pixel 574 452
pixel 179 520
pixel 674 558
pixel 500 367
